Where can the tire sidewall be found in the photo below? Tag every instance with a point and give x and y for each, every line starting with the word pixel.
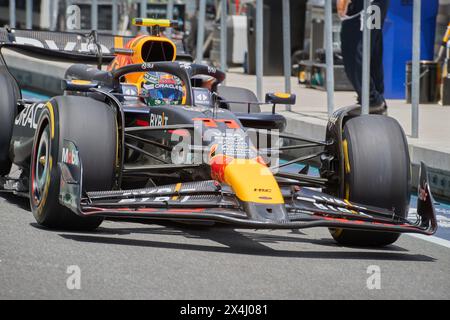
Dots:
pixel 59 115
pixel 50 194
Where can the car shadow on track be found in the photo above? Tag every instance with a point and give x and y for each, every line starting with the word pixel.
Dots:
pixel 20 202
pixel 243 242
pixel 235 242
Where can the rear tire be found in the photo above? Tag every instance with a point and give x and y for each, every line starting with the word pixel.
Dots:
pixel 91 126
pixel 9 93
pixel 377 172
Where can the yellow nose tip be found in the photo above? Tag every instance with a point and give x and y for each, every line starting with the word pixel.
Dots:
pixel 253 182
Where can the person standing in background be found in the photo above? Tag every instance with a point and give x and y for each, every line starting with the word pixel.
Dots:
pixel 350 11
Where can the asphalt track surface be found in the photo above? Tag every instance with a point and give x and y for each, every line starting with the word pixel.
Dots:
pixel 149 261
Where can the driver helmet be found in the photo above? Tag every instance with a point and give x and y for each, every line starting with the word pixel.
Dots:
pixel 161 88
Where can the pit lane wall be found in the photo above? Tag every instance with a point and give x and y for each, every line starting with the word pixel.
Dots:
pixel 45 77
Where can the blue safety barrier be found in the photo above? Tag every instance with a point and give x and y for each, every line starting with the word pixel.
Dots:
pixel 398 42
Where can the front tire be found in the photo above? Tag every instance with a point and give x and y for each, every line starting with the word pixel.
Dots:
pixel 377 173
pixel 91 126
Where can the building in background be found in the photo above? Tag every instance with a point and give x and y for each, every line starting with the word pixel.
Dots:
pixel 50 14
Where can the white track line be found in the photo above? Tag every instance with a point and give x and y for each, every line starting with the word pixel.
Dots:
pixel 432 239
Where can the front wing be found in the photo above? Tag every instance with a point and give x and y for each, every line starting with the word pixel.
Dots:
pixel 213 202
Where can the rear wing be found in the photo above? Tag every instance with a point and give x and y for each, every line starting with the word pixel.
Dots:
pixel 70 41
pixel 66 47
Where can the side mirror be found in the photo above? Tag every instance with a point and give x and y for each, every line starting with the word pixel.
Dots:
pixel 281 98
pixel 79 85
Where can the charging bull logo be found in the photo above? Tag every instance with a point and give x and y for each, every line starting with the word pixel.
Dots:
pixel 245 172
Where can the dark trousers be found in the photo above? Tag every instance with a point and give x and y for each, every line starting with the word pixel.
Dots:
pixel 352 50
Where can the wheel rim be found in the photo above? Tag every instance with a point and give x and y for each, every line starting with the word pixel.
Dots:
pixel 41 167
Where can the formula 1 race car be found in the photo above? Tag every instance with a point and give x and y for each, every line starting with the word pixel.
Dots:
pixel 124 143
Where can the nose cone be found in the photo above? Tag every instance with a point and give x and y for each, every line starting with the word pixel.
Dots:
pixel 251 180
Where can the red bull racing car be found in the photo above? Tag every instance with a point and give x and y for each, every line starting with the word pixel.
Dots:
pixel 156 138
